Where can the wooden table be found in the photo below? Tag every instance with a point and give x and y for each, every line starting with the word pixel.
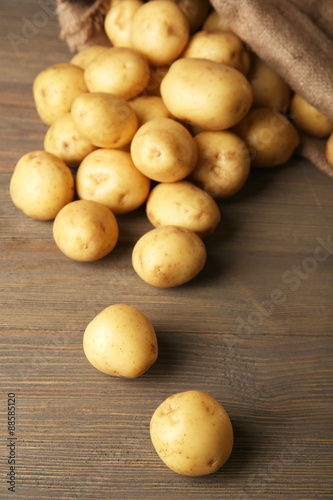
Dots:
pixel 254 329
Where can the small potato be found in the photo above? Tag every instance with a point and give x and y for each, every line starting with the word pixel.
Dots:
pixel 148 108
pixel 163 150
pixel 106 120
pixel 85 230
pixel 168 256
pixel 309 119
pixel 220 47
pixel 269 89
pixel 192 433
pixel 63 140
pixel 157 74
pixel 216 21
pixel 269 135
pixel 196 11
pixel 55 89
pixel 205 93
pixel 329 149
pixel 183 204
pixel 223 163
pixel 118 20
pixel 121 341
pixel 121 71
pixel 109 176
pixel 160 30
pixel 86 56
pixel 41 185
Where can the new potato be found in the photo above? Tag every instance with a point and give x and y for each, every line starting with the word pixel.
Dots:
pixel 118 21
pixel 85 56
pixel 309 119
pixel 149 107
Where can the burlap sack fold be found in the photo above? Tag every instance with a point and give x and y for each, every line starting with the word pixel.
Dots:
pixel 293 36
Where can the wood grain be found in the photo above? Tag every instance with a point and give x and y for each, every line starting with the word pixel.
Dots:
pixel 82 434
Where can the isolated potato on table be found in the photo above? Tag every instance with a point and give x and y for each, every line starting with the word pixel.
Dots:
pixel 309 119
pixel 41 185
pixel 55 88
pixel 149 107
pixel 205 93
pixel 168 256
pixel 121 341
pixel 85 56
pixel 192 433
pixel 118 20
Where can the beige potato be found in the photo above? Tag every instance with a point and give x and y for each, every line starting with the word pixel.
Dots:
pixel 160 30
pixel 269 135
pixel 196 11
pixel 164 150
pixel 55 88
pixel 226 48
pixel 118 21
pixel 329 149
pixel 309 119
pixel 85 230
pixel 185 205
pixel 148 108
pixel 41 185
pixel 121 341
pixel 109 176
pixel 86 56
pixel 192 433
pixel 153 86
pixel 216 22
pixel 63 140
pixel 121 71
pixel 106 120
pixel 205 93
pixel 269 89
pixel 168 256
pixel 223 163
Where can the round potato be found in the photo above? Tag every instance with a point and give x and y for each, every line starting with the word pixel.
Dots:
pixel 196 11
pixel 118 21
pixel 86 56
pixel 192 433
pixel 41 185
pixel 220 47
pixel 168 256
pixel 269 135
pixel 163 150
pixel 106 120
pixel 55 88
pixel 216 22
pixel 148 108
pixel 121 341
pixel 309 119
pixel 157 74
pixel 109 176
pixel 183 204
pixel 63 140
pixel 160 30
pixel 329 149
pixel 85 230
pixel 223 163
pixel 269 89
pixel 121 71
pixel 205 93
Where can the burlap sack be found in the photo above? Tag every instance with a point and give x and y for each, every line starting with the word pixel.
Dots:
pixel 292 36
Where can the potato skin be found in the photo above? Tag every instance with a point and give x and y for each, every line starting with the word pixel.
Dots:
pixel 118 20
pixel 83 58
pixel 192 433
pixel 309 119
pixel 168 256
pixel 329 149
pixel 121 341
pixel 149 107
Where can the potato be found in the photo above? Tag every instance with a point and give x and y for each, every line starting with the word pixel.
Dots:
pixel 192 433
pixel 220 47
pixel 216 21
pixel 55 88
pixel 223 163
pixel 183 204
pixel 309 119
pixel 63 140
pixel 121 341
pixel 86 56
pixel 168 256
pixel 41 185
pixel 148 108
pixel 85 230
pixel 270 136
pixel 160 30
pixel 109 176
pixel 329 149
pixel 163 150
pixel 118 20
pixel 269 89
pixel 121 71
pixel 106 120
pixel 196 11
pixel 205 93
pixel 157 74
